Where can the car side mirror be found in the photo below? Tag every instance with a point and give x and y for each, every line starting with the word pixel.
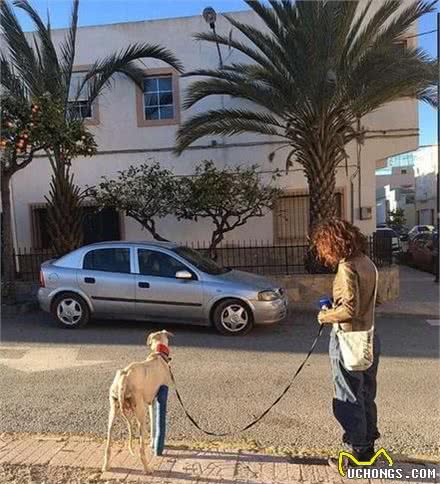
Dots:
pixel 184 275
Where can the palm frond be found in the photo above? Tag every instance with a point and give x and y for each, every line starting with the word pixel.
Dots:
pixel 20 52
pixel 245 49
pixel 317 66
pixel 68 51
pixel 48 53
pixel 9 81
pixel 227 122
pixel 100 75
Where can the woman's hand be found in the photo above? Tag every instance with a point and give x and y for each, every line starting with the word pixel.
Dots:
pixel 321 316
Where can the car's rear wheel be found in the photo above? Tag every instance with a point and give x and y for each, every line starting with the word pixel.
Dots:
pixel 70 310
pixel 232 317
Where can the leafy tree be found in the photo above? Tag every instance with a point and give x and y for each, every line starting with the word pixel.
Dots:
pixel 227 197
pixel 45 68
pixel 315 70
pixel 29 127
pixel 396 218
pixel 145 193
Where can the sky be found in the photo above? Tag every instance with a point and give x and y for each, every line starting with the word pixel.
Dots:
pixel 96 12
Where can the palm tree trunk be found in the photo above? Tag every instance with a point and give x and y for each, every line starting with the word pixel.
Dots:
pixel 322 189
pixel 8 252
pixel 65 211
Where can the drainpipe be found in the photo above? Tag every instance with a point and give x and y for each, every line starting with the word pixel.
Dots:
pixel 359 171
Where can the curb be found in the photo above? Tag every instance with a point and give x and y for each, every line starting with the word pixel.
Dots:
pixel 395 315
pixel 382 314
pixel 19 308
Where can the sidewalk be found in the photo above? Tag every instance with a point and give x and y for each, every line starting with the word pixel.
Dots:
pixel 70 459
pixel 419 296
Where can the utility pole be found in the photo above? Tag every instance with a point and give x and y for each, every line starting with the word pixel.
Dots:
pixel 437 249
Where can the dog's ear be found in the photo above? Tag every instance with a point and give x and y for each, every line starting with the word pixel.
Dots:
pixel 164 331
pixel 149 338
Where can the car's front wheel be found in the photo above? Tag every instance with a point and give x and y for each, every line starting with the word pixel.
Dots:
pixel 232 317
pixel 70 311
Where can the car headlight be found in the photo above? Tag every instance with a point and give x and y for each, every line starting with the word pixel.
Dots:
pixel 268 295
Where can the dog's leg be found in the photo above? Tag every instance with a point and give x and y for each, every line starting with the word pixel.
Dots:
pixel 140 413
pixel 152 423
pixel 111 419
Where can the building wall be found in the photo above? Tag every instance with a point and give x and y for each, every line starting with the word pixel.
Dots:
pixel 122 142
pixel 426 169
pixel 400 177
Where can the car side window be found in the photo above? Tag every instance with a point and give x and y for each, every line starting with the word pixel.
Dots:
pixel 155 263
pixel 108 260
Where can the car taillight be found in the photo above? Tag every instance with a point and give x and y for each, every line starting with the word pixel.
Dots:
pixel 42 283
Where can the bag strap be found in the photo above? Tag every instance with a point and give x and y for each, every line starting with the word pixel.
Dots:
pixel 375 294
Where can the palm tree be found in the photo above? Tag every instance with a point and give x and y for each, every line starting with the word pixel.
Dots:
pixel 46 70
pixel 313 72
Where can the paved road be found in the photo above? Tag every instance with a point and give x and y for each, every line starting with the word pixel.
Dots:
pixel 57 380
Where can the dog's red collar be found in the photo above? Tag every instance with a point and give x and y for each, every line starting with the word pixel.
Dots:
pixel 161 348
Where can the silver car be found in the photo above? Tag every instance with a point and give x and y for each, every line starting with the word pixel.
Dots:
pixel 157 282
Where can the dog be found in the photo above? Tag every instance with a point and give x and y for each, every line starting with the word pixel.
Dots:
pixel 136 386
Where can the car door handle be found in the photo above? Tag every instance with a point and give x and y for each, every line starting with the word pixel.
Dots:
pixel 89 280
pixel 144 285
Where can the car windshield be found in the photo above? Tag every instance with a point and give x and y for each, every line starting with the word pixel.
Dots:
pixel 200 261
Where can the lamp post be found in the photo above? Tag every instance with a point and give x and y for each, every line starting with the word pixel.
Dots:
pixel 210 16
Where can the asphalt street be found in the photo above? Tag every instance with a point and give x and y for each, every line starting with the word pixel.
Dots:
pixel 56 380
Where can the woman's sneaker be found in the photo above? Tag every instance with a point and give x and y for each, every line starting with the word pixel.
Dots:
pixel 364 456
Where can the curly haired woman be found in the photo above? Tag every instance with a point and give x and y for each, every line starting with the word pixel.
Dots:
pixel 341 244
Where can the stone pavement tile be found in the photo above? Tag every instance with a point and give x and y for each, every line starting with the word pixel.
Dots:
pixel 46 452
pixel 91 456
pixel 293 473
pixel 9 448
pixel 72 459
pixel 4 442
pixel 65 453
pixel 27 453
pixel 118 468
pixel 323 473
pixel 210 466
pixel 262 468
pixel 14 450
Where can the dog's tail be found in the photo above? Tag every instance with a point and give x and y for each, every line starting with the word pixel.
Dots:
pixel 121 400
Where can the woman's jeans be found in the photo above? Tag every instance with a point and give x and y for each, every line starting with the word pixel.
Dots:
pixel 353 404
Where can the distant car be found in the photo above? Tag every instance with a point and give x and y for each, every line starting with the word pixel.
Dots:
pixel 421 251
pixel 419 229
pixel 158 282
pixel 387 233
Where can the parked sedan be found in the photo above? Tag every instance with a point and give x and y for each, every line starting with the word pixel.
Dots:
pixel 421 251
pixel 420 229
pixel 159 282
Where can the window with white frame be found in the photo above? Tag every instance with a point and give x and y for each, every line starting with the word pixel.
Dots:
pixel 79 106
pixel 158 97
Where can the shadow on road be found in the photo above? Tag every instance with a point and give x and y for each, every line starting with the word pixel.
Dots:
pixel 400 337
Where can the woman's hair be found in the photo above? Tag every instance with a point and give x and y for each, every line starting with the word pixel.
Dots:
pixel 337 239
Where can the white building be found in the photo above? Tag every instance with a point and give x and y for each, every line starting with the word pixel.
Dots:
pixel 395 188
pixel 125 137
pixel 426 170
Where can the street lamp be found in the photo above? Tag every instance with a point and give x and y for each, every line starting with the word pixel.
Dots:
pixel 210 16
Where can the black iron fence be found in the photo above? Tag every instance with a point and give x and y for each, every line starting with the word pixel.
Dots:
pixel 28 262
pixel 260 258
